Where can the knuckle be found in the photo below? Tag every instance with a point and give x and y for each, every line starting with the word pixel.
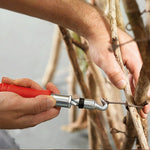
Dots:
pixel 40 105
pixel 37 108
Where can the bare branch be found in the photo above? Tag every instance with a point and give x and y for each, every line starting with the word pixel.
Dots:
pixel 83 46
pixel 134 114
pixel 84 88
pixel 53 60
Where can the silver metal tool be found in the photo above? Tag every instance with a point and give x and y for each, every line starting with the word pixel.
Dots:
pixel 67 101
pixel 61 100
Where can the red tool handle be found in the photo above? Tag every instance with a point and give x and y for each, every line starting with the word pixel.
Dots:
pixel 23 91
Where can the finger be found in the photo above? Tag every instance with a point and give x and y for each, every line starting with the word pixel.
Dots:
pixel 32 120
pixel 143 115
pixel 134 68
pixel 37 105
pixel 22 82
pixel 7 80
pixel 27 83
pixel 53 88
pixel 146 108
pixel 50 114
pixel 113 70
pixel 131 55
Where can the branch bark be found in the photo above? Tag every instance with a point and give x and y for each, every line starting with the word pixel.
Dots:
pixel 104 87
pixel 96 140
pixel 136 22
pixel 72 91
pixel 85 90
pixel 119 18
pixel 103 5
pixel 139 31
pixel 79 124
pixel 147 56
pixel 53 59
pixel 134 114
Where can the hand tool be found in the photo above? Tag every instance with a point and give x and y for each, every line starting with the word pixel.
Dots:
pixel 61 100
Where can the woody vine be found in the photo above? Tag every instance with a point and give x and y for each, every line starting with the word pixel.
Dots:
pixel 125 130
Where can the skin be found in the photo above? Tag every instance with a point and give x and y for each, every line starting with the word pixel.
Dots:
pixel 17 112
pixel 88 22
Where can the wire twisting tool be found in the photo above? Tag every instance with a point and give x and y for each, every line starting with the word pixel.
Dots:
pixel 61 100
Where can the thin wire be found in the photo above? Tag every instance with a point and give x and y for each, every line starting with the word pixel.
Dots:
pixel 121 103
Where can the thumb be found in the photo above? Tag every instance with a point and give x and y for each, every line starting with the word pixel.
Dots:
pixel 38 104
pixel 113 71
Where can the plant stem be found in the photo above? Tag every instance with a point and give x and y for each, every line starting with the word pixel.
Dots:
pixel 134 114
pixel 86 93
pixel 53 59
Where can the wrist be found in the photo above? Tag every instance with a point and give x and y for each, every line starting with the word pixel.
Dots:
pixel 98 27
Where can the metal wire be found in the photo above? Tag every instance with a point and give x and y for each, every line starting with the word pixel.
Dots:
pixel 121 103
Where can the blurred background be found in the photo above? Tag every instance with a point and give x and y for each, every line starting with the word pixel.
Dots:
pixel 25 45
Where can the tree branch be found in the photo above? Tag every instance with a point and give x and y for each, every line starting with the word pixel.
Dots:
pixel 84 89
pixel 134 114
pixel 53 60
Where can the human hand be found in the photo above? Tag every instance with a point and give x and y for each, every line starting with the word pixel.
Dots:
pixel 99 45
pixel 106 60
pixel 17 112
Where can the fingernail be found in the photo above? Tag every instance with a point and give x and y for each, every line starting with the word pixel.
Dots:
pixel 51 102
pixel 121 84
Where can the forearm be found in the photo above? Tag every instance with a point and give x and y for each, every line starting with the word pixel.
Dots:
pixel 74 14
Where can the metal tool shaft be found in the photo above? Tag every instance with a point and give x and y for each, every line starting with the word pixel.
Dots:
pixel 66 101
pixel 62 100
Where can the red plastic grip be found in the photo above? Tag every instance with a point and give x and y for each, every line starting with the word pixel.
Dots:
pixel 23 91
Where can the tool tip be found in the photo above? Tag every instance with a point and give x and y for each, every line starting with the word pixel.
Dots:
pixel 104 103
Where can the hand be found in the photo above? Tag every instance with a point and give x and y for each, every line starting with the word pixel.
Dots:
pixel 17 112
pixel 99 51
